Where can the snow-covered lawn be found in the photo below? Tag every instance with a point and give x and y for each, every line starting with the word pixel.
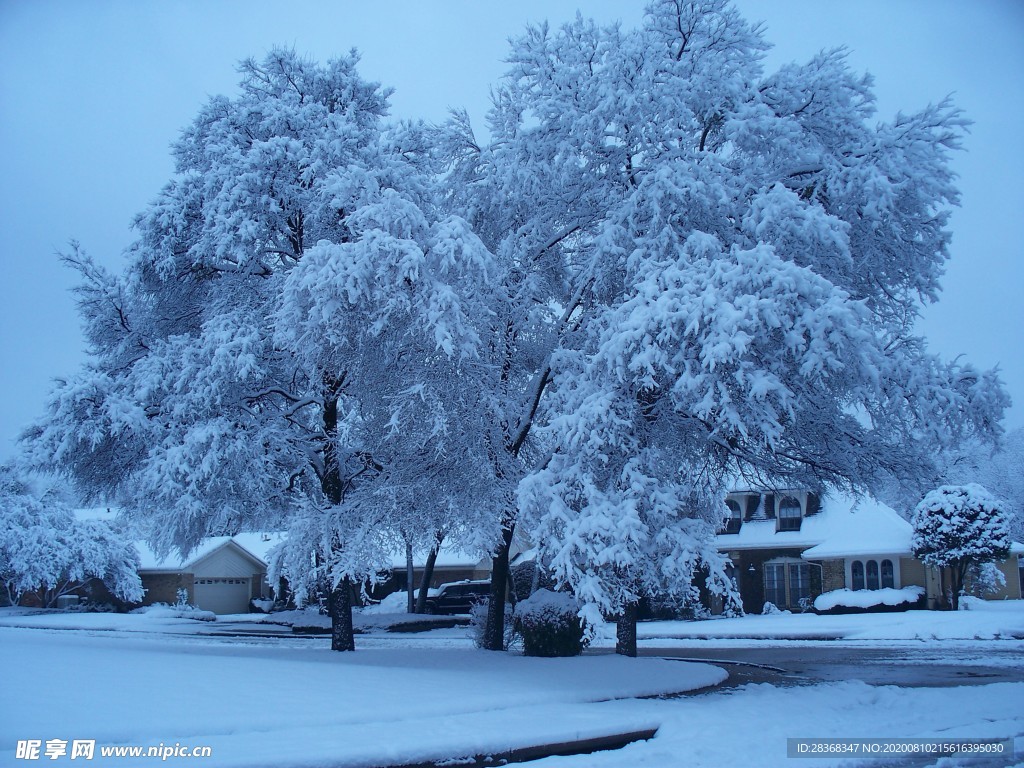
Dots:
pixel 281 706
pixel 156 679
pixel 986 620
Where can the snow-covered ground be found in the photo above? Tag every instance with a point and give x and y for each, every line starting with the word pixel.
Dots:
pixel 155 679
pixel 985 620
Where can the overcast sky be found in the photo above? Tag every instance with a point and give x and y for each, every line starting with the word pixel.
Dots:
pixel 92 94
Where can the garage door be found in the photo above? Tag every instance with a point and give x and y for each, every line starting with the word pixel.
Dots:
pixel 223 595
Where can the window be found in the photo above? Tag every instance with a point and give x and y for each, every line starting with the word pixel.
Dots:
pixel 799 582
pixel 888 582
pixel 857 574
pixel 775 584
pixel 734 520
pixel 789 514
pixel 872 570
pixel 867 574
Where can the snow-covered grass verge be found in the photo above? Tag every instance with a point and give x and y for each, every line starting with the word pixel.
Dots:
pixel 260 705
pixel 164 611
pixel 749 726
pixel 987 620
pixel 867 598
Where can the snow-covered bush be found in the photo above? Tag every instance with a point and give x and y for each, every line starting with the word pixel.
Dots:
pixel 771 609
pixel 550 624
pixel 985 579
pixel 959 527
pixel 868 599
pixel 165 611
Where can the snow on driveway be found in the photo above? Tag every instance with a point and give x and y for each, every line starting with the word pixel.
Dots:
pixel 260 705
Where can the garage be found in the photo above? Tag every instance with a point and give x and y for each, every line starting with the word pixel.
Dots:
pixel 222 595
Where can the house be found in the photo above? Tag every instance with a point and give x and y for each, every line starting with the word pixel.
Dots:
pixel 788 547
pixel 223 574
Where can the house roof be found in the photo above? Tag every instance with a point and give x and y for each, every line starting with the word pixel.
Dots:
pixel 149 561
pixel 844 526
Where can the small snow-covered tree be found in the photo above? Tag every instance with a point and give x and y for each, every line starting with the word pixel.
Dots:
pixel 958 527
pixel 45 549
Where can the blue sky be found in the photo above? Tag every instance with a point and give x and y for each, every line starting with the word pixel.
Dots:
pixel 92 94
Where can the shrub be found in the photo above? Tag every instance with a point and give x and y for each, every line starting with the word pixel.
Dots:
pixel 550 624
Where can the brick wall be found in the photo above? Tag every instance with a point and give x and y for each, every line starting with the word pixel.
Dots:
pixel 163 587
pixel 833 575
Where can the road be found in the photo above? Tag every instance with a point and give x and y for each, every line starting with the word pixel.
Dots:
pixel 906 666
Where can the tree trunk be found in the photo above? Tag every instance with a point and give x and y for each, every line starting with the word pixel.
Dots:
pixel 494 631
pixel 410 603
pixel 958 574
pixel 339 606
pixel 428 576
pixel 625 631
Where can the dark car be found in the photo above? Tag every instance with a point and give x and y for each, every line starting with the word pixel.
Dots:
pixel 457 596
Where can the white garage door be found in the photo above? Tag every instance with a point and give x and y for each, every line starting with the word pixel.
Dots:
pixel 223 595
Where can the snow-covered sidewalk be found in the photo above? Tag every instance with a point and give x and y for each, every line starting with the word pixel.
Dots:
pixel 290 706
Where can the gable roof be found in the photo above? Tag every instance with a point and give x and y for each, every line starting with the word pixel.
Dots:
pixel 844 526
pixel 175 562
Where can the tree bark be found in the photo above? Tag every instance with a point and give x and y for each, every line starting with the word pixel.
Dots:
pixel 625 631
pixel 339 603
pixel 410 603
pixel 428 576
pixel 339 606
pixel 494 631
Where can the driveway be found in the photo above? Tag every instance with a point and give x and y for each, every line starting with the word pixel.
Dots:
pixel 902 665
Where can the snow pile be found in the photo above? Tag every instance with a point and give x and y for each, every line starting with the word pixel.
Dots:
pixel 165 611
pixel 867 598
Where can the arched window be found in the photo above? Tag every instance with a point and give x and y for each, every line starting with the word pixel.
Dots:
pixel 872 580
pixel 888 581
pixel 789 514
pixel 857 574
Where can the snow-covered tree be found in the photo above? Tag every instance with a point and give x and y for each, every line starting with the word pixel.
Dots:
pixel 45 549
pixel 289 345
pixel 959 527
pixel 760 256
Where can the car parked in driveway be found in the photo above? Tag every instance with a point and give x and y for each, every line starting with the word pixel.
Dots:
pixel 457 596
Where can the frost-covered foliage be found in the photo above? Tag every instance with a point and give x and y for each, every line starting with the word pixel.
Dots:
pixel 45 549
pixel 985 579
pixel 683 268
pixel 550 624
pixel 999 469
pixel 294 344
pixel 868 598
pixel 758 250
pixel 957 527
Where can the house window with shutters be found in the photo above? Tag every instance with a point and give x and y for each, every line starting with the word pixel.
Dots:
pixel 735 518
pixel 789 514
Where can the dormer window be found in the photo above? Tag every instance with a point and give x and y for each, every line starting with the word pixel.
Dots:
pixel 789 514
pixel 735 518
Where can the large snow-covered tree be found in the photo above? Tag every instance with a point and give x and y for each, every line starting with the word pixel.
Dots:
pixel 287 346
pixel 45 549
pixel 959 527
pixel 762 252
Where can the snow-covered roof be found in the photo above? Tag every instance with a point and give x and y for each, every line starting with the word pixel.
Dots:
pixel 446 558
pixel 247 542
pixel 844 526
